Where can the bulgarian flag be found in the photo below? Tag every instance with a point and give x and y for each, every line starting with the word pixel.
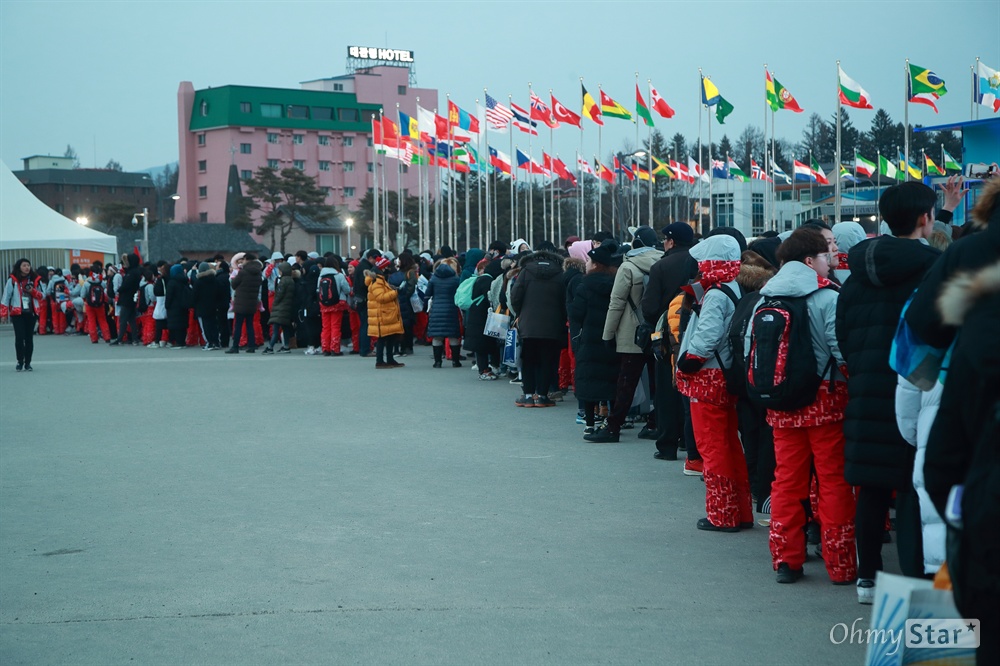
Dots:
pixel 851 92
pixel 818 172
pixel 640 108
pixel 864 167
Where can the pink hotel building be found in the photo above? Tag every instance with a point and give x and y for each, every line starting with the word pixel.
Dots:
pixel 323 128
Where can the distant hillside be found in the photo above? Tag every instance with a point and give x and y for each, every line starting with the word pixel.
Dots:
pixel 157 171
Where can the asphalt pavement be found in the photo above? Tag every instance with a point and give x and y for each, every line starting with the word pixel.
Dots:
pixel 182 506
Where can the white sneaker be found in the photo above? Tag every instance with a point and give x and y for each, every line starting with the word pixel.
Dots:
pixel 866 591
pixel 162 344
pixel 311 351
pixel 152 345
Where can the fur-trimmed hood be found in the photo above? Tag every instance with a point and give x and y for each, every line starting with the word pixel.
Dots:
pixel 962 292
pixel 987 209
pixel 541 256
pixel 573 262
pixel 753 278
pixel 209 273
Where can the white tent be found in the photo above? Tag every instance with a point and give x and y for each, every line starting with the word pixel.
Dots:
pixel 28 224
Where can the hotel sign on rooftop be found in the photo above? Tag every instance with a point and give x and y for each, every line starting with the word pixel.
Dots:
pixel 374 53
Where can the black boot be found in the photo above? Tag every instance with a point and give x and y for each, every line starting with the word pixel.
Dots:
pixel 438 355
pixel 456 356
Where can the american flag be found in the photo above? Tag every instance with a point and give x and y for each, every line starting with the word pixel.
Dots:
pixel 497 115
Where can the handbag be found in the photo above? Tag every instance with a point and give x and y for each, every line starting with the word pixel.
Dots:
pixel 643 332
pixel 511 349
pixel 416 303
pixel 497 324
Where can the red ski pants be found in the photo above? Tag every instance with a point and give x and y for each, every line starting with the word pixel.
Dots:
pixel 332 318
pixel 727 487
pixel 794 450
pixel 96 318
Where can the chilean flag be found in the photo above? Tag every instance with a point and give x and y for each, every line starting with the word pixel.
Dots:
pixel 500 160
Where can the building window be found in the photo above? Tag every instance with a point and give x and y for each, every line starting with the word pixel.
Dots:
pixel 201 139
pixel 299 164
pixel 370 144
pixel 203 217
pixel 406 168
pixel 371 167
pixel 349 115
pixel 59 187
pixel 401 90
pixel 298 111
pixel 203 191
pixel 246 174
pixel 348 167
pixel 322 113
pixel 324 165
pixel 338 87
pixel 348 192
pixel 327 243
pixel 204 107
pixel 347 141
pixel 245 148
pixel 326 191
pixel 272 164
pixel 145 190
pixel 59 208
pixel 324 141
pixel 270 110
pixel 297 139
pixel 272 137
pixel 371 191
pixel 245 107
pixel 77 208
pixel 202 166
pixel 757 218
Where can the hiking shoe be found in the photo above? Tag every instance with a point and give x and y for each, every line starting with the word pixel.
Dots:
pixel 786 574
pixel 283 350
pixel 525 401
pixel 866 591
pixel 602 436
pixel 487 376
pixel 381 365
pixel 556 396
pixel 694 467
pixel 19 367
pixel 544 401
pixel 707 525
pixel 267 350
pixel 589 430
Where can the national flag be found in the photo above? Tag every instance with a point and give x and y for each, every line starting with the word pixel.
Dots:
pixel 928 98
pixel 778 96
pixel 757 173
pixel 803 172
pixel 610 107
pixel 681 171
pixel 950 164
pixel 500 160
pixel 866 168
pixel 851 92
pixel 590 108
pixel 461 119
pixel 779 172
pixel 923 80
pixel 409 127
pixel 695 171
pixel 621 168
pixel 735 171
pixel 562 171
pixel 709 93
pixel 584 166
pixel 530 165
pixel 719 170
pixel 523 121
pixel 818 172
pixel 640 173
pixel 661 169
pixel 640 108
pixel 605 173
pixel 441 127
pixel 659 105
pixel 888 169
pixel 909 168
pixel 390 132
pixel 497 115
pixel 541 112
pixel 563 115
pixel 427 124
pixel 722 109
pixel 986 87
pixel 846 175
pixel 932 169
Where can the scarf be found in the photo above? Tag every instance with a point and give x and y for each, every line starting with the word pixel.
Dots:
pixel 713 272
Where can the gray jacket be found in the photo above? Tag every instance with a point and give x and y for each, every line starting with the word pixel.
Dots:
pixel 629 280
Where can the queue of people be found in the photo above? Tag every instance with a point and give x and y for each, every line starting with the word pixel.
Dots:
pixel 795 372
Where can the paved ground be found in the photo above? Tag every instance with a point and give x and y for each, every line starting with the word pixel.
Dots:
pixel 169 507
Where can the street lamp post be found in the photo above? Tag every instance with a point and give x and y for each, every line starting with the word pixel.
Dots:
pixel 145 230
pixel 350 223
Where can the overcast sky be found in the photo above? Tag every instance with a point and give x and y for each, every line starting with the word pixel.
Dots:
pixel 103 76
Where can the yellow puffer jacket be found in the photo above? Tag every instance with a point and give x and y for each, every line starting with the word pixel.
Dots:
pixel 384 318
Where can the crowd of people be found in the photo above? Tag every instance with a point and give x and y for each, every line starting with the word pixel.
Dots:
pixel 818 377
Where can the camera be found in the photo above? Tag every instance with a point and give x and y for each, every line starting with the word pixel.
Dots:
pixel 979 170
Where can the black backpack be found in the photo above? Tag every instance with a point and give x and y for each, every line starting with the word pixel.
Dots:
pixel 329 294
pixel 781 367
pixel 143 303
pixel 735 375
pixel 95 295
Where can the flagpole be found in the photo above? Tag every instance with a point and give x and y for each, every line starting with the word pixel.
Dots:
pixel 700 163
pixel 513 199
pixel 438 222
pixel 906 119
pixel 531 181
pixel 375 194
pixel 552 197
pixel 479 184
pixel 711 176
pixel 812 180
pixel 384 234
pixel 973 109
pixel 581 222
pixel 649 155
pixel 837 186
pixel 774 179
pixel 600 188
pixel 767 201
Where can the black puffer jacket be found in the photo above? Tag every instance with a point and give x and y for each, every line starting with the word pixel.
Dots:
pixel 205 294
pixel 596 365
pixel 283 308
pixel 131 279
pixel 246 288
pixel 666 277
pixel 884 273
pixel 539 297
pixel 573 270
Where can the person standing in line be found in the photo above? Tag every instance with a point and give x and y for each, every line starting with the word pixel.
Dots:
pixel 177 301
pixel 246 301
pixel 95 300
pixel 384 320
pixel 538 296
pixel 127 300
pixel 18 304
pixel 444 320
pixel 359 301
pixel 333 315
pixel 205 301
pixel 282 309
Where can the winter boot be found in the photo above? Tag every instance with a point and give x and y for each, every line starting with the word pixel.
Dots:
pixel 438 355
pixel 456 355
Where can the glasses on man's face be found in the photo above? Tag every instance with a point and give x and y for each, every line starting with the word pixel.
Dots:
pixel 826 255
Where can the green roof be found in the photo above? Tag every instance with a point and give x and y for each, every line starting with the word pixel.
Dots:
pixel 280 108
